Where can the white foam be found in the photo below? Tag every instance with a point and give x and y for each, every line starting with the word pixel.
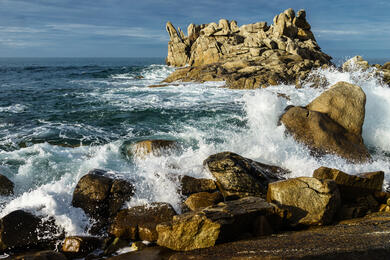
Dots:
pixel 17 108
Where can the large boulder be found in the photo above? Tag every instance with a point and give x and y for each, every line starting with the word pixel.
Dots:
pixel 238 177
pixel 220 223
pixel 203 199
pixel 23 230
pixel 144 148
pixel 355 63
pixel 284 52
pixel 352 186
pixel 6 186
pixel 308 200
pixel 101 196
pixel 139 223
pixel 190 185
pixel 332 123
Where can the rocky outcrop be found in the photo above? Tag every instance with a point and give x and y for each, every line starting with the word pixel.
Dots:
pixel 100 195
pixel 203 199
pixel 309 201
pixel 139 223
pixel 22 230
pixel 151 147
pixel 223 222
pixel 6 186
pixel 40 255
pixel 238 177
pixel 250 56
pixel 331 123
pixel 190 185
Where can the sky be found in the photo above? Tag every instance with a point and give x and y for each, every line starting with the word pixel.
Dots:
pixel 136 28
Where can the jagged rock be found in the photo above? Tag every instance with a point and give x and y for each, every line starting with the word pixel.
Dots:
pixel 354 63
pixel 332 123
pixel 41 255
pixel 140 222
pixel 190 185
pixel 223 222
pixel 310 201
pixel 80 246
pixel 101 196
pixel 22 230
pixel 352 186
pixel 238 177
pixel 203 199
pixel 151 147
pixel 267 47
pixel 6 186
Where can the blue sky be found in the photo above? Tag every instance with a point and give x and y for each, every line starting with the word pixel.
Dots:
pixel 136 28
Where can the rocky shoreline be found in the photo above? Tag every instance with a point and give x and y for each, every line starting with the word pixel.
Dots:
pixel 250 209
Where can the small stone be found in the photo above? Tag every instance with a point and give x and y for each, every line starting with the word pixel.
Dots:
pixel 80 246
pixel 6 186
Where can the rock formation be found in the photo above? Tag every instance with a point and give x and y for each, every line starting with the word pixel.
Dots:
pixel 332 123
pixel 250 56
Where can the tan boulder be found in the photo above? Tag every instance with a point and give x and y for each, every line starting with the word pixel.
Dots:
pixel 345 104
pixel 203 199
pixel 332 123
pixel 219 223
pixel 310 201
pixel 151 147
pixel 80 246
pixel 352 186
pixel 190 185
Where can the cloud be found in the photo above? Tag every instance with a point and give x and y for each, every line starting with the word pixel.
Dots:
pixel 338 32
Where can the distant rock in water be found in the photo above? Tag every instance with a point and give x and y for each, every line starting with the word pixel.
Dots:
pixel 332 123
pixel 250 56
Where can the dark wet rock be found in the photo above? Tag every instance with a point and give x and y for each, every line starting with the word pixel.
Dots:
pixel 238 177
pixel 352 186
pixel 150 253
pixel 80 246
pixel 151 147
pixel 115 245
pixel 220 223
pixel 6 186
pixel 309 201
pixel 139 223
pixel 22 230
pixel 332 123
pixel 190 185
pixel 101 196
pixel 41 255
pixel 203 199
pixel 357 239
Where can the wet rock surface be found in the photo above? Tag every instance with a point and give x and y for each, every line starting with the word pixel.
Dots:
pixel 80 246
pixel 151 147
pixel 6 186
pixel 238 177
pixel 140 222
pixel 203 199
pixel 190 185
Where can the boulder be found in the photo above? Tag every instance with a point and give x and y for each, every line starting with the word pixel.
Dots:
pixel 151 147
pixel 6 186
pixel 308 200
pixel 220 223
pixel 22 230
pixel 238 177
pixel 208 48
pixel 101 196
pixel 139 223
pixel 352 186
pixel 190 185
pixel 203 199
pixel 355 63
pixel 80 246
pixel 332 123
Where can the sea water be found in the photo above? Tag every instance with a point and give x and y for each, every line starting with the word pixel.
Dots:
pixel 60 118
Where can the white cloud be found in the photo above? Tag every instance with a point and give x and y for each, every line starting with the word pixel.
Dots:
pixel 338 32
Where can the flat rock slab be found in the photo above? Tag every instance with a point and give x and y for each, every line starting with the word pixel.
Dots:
pixel 366 238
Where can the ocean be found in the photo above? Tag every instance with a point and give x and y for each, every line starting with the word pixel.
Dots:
pixel 61 117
